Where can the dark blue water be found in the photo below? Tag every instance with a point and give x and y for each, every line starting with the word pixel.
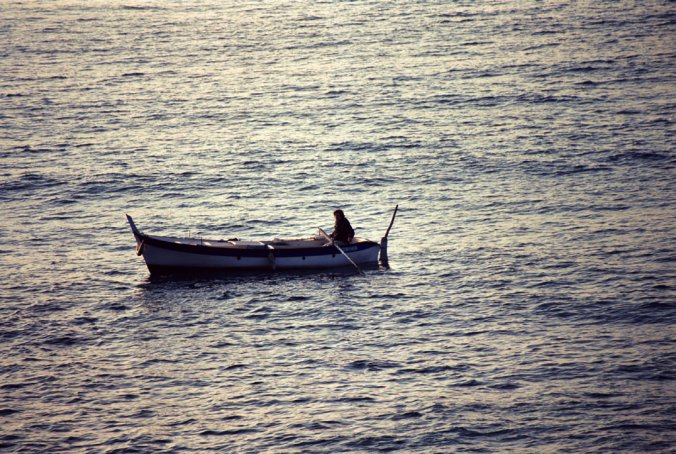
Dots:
pixel 531 300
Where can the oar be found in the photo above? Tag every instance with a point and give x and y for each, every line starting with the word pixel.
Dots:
pixel 339 248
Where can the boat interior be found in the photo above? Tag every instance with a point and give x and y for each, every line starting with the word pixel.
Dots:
pixel 277 243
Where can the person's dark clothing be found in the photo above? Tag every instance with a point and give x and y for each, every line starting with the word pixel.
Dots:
pixel 342 231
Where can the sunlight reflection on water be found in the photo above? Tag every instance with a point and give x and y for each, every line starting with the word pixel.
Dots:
pixel 529 303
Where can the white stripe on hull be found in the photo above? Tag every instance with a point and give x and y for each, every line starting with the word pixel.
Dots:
pixel 329 260
pixel 157 256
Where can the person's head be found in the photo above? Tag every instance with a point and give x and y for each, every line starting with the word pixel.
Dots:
pixel 338 214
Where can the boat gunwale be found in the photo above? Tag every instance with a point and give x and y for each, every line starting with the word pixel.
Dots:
pixel 249 250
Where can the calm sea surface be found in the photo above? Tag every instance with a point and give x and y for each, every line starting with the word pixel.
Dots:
pixel 531 301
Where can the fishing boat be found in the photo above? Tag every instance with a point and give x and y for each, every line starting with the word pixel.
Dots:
pixel 172 255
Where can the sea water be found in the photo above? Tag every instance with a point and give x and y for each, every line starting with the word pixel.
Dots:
pixel 530 301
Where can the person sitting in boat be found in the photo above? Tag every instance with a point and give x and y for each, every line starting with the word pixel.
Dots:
pixel 342 230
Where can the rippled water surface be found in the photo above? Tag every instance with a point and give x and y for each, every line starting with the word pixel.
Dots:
pixel 530 304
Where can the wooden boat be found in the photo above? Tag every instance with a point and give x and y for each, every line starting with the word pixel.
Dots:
pixel 171 255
